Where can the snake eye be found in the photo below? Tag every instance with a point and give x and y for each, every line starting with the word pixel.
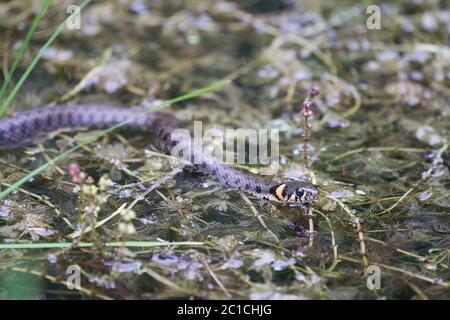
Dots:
pixel 299 192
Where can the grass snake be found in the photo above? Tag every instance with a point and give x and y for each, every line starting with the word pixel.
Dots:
pixel 25 127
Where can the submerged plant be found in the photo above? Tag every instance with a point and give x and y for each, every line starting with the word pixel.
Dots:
pixel 91 197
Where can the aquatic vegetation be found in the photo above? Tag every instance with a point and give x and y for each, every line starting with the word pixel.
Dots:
pixel 306 112
pixel 141 225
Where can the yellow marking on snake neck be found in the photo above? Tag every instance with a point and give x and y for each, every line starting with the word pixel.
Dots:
pixel 279 191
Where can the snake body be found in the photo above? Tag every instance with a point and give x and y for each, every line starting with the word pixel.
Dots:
pixel 23 129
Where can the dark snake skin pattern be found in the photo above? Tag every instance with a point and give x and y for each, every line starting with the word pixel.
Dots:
pixel 25 127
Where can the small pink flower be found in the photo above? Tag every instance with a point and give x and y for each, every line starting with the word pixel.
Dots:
pixel 313 91
pixel 77 180
pixel 306 112
pixel 306 109
pixel 308 104
pixel 90 180
pixel 74 170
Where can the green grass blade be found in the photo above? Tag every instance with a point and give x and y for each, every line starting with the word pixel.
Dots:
pixel 62 245
pixel 38 57
pixel 92 138
pixel 23 47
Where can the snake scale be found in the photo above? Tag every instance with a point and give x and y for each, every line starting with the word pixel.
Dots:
pixel 24 127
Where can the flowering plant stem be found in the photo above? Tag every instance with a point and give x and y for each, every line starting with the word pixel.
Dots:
pixel 306 112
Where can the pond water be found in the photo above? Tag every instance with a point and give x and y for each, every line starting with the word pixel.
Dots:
pixel 377 150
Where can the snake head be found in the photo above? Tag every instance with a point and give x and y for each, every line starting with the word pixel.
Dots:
pixel 295 193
